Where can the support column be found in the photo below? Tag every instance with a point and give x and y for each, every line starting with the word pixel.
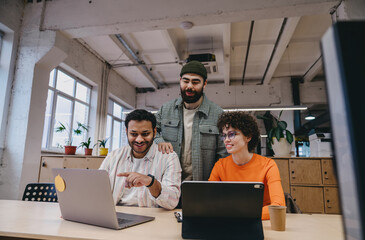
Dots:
pixel 36 58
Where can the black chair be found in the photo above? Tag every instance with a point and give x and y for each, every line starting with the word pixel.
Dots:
pixel 40 192
pixel 291 205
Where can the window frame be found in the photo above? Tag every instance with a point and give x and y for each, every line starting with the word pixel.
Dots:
pixel 56 93
pixel 113 118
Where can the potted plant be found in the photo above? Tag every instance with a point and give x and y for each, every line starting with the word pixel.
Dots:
pixel 69 149
pixel 279 138
pixel 86 146
pixel 103 151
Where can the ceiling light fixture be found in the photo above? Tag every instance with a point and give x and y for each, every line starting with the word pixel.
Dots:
pixel 186 25
pixel 309 117
pixel 277 108
pixel 250 109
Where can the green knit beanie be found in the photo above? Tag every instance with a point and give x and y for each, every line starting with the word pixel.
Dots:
pixel 194 67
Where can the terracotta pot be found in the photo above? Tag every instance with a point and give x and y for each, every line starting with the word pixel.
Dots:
pixel 88 151
pixel 103 151
pixel 70 150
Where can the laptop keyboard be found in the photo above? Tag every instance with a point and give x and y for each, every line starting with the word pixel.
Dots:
pixel 123 221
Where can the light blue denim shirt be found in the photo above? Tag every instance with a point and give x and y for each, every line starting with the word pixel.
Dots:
pixel 207 147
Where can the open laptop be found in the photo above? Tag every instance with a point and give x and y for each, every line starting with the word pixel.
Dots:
pixel 222 210
pixel 87 198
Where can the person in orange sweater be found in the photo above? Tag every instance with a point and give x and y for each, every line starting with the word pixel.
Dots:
pixel 240 135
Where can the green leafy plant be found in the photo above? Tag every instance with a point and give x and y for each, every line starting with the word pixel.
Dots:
pixel 86 144
pixel 77 131
pixel 102 143
pixel 276 128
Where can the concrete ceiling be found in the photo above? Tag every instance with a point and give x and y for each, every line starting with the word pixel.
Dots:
pixel 246 52
pixel 253 41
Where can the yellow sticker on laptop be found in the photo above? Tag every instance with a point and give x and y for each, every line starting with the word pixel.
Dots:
pixel 59 183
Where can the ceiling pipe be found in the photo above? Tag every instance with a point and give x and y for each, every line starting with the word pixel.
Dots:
pixel 141 64
pixel 274 50
pixel 248 51
pixel 310 68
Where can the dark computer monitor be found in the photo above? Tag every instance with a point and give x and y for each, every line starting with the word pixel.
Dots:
pixel 343 49
pixel 222 210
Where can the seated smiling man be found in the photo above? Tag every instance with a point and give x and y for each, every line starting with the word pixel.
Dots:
pixel 139 174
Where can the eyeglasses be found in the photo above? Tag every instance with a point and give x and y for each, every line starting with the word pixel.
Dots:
pixel 230 136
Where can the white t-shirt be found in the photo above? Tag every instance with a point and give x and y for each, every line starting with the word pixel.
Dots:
pixel 186 165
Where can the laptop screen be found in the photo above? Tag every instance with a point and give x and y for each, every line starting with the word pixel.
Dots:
pixel 222 199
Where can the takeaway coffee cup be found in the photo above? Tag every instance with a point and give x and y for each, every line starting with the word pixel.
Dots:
pixel 277 217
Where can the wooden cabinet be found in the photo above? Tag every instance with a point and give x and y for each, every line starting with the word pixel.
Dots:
pixel 283 166
pixel 45 171
pixel 309 199
pixel 328 172
pixel 305 171
pixel 61 161
pixel 331 199
pixel 311 182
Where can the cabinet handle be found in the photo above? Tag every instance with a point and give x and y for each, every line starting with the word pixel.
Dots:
pixel 44 164
pixel 328 204
pixel 325 175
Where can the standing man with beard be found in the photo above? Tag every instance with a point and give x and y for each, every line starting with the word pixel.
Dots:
pixel 188 125
pixel 139 174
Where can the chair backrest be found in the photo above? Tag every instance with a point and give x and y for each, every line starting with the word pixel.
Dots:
pixel 291 205
pixel 40 192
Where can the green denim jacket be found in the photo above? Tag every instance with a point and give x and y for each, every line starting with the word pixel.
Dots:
pixel 207 147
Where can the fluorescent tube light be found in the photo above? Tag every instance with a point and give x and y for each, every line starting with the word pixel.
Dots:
pixel 277 108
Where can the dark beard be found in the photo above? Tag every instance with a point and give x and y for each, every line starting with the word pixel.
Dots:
pixel 149 144
pixel 191 99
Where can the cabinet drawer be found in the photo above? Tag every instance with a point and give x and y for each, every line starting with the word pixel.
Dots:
pixel 283 166
pixel 309 199
pixel 47 163
pixel 93 163
pixel 332 203
pixel 305 172
pixel 328 172
pixel 74 162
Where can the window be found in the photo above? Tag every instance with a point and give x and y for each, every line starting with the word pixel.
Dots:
pixel 68 102
pixel 115 128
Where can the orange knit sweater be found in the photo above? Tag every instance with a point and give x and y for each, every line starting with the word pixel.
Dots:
pixel 258 169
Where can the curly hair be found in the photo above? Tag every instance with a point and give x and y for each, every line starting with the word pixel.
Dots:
pixel 243 122
pixel 140 115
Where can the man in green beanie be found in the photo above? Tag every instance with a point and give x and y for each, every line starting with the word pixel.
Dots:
pixel 188 125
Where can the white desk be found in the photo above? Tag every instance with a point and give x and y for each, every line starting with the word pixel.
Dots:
pixel 43 221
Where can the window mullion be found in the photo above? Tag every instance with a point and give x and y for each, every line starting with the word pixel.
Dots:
pixel 53 118
pixel 72 121
pixel 120 135
pixel 80 101
pixel 54 101
pixel 73 99
pixel 111 134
